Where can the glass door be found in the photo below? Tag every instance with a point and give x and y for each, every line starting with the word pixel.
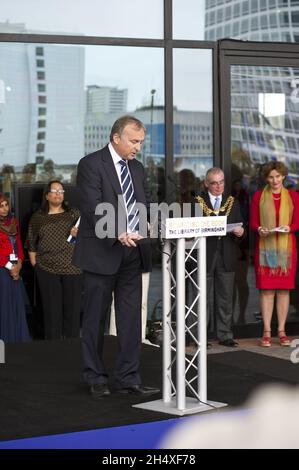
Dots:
pixel 261 99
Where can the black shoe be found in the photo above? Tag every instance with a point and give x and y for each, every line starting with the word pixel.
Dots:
pixel 229 342
pixel 98 391
pixel 138 390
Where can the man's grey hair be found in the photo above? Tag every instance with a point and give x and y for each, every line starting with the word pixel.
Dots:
pixel 212 171
pixel 122 122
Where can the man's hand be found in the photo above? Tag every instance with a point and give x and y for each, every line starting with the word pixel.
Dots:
pixel 238 231
pixel 129 239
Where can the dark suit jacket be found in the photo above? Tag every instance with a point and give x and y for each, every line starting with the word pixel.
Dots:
pixel 229 243
pixel 98 182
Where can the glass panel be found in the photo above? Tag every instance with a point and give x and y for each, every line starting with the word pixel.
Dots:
pixel 193 120
pixel 264 127
pixel 51 117
pixel 49 121
pixel 135 19
pixel 188 23
pixel 284 22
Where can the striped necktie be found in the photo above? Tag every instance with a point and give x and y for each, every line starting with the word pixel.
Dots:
pixel 129 197
pixel 217 204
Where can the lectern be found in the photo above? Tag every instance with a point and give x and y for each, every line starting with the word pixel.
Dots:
pixel 185 238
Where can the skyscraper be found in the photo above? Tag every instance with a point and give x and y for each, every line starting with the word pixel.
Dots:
pixel 264 111
pixel 41 103
pixel 254 20
pixel 106 99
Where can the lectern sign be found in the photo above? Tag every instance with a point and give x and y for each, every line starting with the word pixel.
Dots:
pixel 189 227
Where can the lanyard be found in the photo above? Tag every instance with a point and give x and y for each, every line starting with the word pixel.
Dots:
pixel 13 245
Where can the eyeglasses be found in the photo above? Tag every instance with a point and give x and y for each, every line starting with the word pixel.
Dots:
pixel 56 191
pixel 216 183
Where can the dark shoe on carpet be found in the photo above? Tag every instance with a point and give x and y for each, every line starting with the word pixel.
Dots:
pixel 98 391
pixel 138 390
pixel 229 343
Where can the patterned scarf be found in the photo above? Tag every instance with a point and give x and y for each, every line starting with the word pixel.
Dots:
pixel 276 249
pixel 8 225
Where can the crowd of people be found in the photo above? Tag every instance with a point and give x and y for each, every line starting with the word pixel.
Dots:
pixel 103 266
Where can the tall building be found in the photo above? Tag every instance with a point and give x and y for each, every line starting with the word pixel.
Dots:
pixel 104 104
pixel 254 20
pixel 264 111
pixel 105 99
pixel 41 103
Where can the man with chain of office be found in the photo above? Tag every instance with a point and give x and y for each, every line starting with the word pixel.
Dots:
pixel 222 254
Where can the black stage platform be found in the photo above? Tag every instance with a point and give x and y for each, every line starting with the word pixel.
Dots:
pixel 42 391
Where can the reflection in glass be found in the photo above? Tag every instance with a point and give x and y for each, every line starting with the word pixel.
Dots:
pixel 264 127
pixel 253 21
pixel 188 19
pixel 55 111
pixel 193 120
pixel 264 121
pixel 134 19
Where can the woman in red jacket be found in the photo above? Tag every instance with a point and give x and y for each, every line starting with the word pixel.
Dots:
pixel 13 325
pixel 274 215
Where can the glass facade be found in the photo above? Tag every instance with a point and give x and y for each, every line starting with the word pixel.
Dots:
pixel 188 19
pixel 133 19
pixel 56 109
pixel 264 127
pixel 193 119
pixel 65 78
pixel 252 20
pixel 264 118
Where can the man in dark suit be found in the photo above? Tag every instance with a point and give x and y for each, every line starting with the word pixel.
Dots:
pixel 112 253
pixel 221 254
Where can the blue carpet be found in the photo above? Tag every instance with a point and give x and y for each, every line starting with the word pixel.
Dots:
pixel 139 436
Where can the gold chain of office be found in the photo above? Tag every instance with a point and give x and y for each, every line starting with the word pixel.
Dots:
pixel 227 207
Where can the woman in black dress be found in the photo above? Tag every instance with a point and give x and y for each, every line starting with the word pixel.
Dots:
pixel 50 254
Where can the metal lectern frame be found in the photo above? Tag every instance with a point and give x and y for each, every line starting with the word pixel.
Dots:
pixel 174 400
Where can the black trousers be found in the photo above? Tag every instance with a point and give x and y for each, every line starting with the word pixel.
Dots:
pixel 220 286
pixel 127 286
pixel 61 301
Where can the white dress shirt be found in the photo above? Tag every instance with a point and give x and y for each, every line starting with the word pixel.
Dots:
pixel 213 198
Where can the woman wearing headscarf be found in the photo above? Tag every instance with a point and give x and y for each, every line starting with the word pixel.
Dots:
pixel 13 324
pixel 274 215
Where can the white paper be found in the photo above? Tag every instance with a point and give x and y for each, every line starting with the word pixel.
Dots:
pixel 281 229
pixel 70 238
pixel 231 227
